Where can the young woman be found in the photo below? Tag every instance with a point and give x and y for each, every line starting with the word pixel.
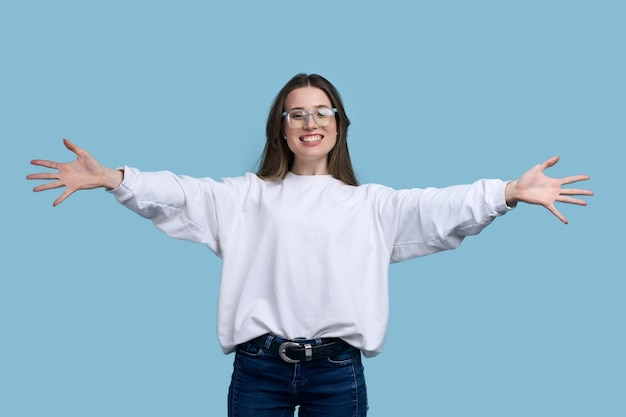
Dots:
pixel 305 249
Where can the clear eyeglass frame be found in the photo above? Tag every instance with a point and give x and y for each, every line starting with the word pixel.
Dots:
pixel 322 116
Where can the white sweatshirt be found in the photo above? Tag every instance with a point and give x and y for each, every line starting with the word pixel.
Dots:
pixel 308 256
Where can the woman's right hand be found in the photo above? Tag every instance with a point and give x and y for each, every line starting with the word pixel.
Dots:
pixel 82 174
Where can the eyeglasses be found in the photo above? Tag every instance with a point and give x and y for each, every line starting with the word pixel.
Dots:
pixel 322 116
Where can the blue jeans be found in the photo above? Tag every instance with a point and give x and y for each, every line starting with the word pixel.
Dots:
pixel 263 385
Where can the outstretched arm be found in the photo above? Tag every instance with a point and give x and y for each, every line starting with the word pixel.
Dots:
pixel 534 187
pixel 82 174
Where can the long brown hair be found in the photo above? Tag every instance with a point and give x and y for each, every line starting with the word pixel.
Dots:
pixel 277 158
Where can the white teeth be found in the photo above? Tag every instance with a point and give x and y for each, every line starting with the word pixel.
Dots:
pixel 311 138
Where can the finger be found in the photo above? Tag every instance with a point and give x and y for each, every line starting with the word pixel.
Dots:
pixel 48 186
pixel 550 162
pixel 574 178
pixel 571 200
pixel 557 213
pixel 45 163
pixel 62 198
pixel 70 145
pixel 43 176
pixel 575 191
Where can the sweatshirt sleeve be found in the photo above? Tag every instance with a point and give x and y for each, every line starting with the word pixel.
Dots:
pixel 430 220
pixel 182 207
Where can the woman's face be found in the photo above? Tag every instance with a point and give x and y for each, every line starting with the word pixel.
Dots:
pixel 310 143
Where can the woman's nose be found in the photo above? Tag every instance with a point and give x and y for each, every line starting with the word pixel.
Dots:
pixel 310 122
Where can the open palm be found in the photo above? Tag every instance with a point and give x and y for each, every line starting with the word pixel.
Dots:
pixel 534 187
pixel 81 174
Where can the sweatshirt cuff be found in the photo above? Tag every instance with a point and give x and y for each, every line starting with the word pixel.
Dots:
pixel 124 191
pixel 503 207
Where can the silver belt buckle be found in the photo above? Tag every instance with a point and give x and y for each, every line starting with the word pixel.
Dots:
pixel 308 351
pixel 283 347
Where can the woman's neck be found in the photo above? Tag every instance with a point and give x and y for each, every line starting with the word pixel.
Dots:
pixel 313 168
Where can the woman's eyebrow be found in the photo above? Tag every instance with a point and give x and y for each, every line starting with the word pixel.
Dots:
pixel 315 107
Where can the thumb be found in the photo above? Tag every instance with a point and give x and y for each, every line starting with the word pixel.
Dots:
pixel 70 145
pixel 550 162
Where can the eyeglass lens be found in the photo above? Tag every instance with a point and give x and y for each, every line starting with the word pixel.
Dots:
pixel 322 117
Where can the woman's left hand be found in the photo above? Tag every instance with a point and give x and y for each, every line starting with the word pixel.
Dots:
pixel 534 187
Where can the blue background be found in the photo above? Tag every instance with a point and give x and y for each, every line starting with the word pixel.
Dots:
pixel 102 315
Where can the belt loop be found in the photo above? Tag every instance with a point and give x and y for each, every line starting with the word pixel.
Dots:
pixel 268 341
pixel 318 341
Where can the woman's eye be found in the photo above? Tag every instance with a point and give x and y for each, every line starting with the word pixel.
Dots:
pixel 324 112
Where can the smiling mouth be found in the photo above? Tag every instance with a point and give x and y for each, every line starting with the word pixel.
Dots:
pixel 311 139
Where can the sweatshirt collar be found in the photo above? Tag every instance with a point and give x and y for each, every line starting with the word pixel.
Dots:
pixel 309 179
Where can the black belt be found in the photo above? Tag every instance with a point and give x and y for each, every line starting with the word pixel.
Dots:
pixel 294 351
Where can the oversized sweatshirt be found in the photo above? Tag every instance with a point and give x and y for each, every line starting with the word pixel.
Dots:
pixel 308 256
